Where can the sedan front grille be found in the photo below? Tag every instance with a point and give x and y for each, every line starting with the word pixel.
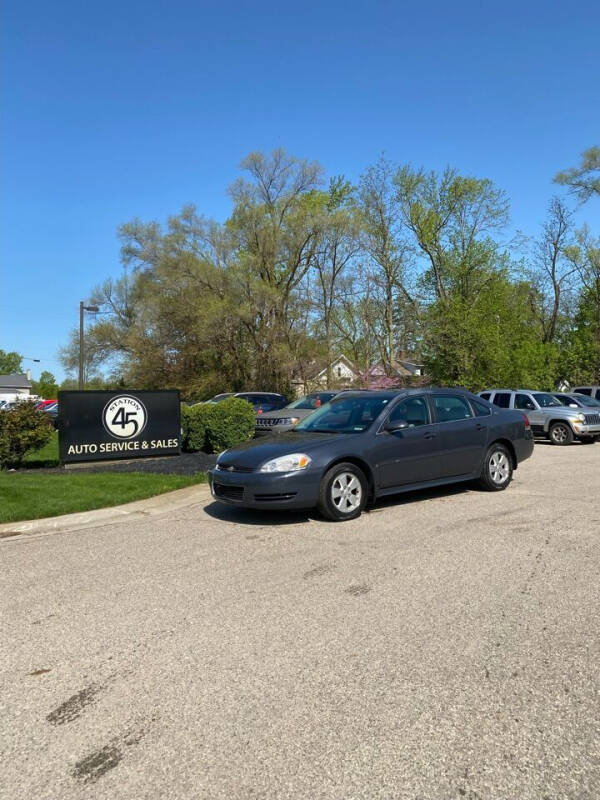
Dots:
pixel 592 419
pixel 234 468
pixel 228 492
pixel 269 422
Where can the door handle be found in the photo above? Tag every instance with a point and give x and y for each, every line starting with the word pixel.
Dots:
pixel 430 435
pixel 479 426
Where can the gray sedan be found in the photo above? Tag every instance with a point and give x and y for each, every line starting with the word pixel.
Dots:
pixel 364 445
pixel 284 419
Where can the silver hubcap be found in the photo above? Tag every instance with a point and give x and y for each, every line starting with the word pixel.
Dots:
pixel 346 492
pixel 499 467
pixel 559 433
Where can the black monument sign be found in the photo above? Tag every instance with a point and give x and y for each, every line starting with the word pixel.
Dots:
pixel 93 426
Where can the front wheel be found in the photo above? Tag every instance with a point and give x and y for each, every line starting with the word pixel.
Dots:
pixel 561 433
pixel 343 493
pixel 497 469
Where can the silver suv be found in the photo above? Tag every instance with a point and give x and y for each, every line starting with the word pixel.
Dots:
pixel 547 416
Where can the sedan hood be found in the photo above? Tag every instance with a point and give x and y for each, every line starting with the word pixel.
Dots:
pixel 300 413
pixel 251 455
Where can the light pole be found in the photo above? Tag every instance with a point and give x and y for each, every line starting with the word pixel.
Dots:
pixel 82 308
pixel 28 371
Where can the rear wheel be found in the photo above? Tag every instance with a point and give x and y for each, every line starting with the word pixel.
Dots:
pixel 561 433
pixel 343 493
pixel 497 469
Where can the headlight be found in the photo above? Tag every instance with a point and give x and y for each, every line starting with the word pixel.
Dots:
pixel 578 418
pixel 290 463
pixel 289 420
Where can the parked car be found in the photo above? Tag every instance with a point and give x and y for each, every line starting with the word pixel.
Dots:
pixel 52 412
pixel 284 419
pixel 575 400
pixel 261 401
pixel 364 445
pixel 41 405
pixel 590 391
pixel 548 417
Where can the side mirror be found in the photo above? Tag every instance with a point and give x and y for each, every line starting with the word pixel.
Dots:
pixel 398 425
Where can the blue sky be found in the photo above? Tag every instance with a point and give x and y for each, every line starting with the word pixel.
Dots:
pixel 117 110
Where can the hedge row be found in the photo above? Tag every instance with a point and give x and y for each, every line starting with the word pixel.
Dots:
pixel 214 427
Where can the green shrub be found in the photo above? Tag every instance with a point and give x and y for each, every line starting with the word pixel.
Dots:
pixel 214 427
pixel 22 429
pixel 229 423
pixel 194 420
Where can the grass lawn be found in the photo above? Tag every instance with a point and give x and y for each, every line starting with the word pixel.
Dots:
pixel 32 496
pixel 46 457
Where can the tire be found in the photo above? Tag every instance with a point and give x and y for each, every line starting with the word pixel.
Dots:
pixel 343 493
pixel 588 440
pixel 561 434
pixel 497 470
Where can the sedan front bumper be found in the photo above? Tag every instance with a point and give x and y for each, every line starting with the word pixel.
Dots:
pixel 282 490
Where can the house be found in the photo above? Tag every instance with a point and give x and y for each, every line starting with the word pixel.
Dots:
pixel 346 375
pixel 14 387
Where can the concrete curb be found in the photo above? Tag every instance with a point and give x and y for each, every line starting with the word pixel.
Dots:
pixel 152 506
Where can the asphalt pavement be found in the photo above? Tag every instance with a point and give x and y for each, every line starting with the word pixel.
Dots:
pixel 445 645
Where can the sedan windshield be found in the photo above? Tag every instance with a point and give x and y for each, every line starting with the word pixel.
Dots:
pixel 546 400
pixel 347 414
pixel 312 400
pixel 583 400
pixel 219 397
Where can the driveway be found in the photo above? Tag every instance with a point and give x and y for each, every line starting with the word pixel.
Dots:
pixel 445 645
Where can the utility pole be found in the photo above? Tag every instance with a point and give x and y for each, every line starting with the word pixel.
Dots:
pixel 82 308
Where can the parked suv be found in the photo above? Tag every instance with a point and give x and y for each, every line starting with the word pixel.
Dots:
pixel 548 417
pixel 591 391
pixel 284 419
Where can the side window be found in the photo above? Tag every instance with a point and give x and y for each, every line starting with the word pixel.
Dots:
pixel 486 396
pixel 414 411
pixel 597 394
pixel 450 408
pixel 585 390
pixel 524 402
pixel 480 409
pixel 502 399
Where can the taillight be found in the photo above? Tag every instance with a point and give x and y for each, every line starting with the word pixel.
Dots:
pixel 259 410
pixel 318 402
pixel 526 418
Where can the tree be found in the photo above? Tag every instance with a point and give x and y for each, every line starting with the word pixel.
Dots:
pixel 451 219
pixel 274 231
pixel 552 270
pixel 337 247
pixel 383 241
pixel 583 181
pixel 47 386
pixel 10 363
pixel 584 255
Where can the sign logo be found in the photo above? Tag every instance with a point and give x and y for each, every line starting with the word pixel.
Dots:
pixel 124 417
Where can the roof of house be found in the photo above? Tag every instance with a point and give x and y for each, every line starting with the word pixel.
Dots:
pixel 318 367
pixel 14 382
